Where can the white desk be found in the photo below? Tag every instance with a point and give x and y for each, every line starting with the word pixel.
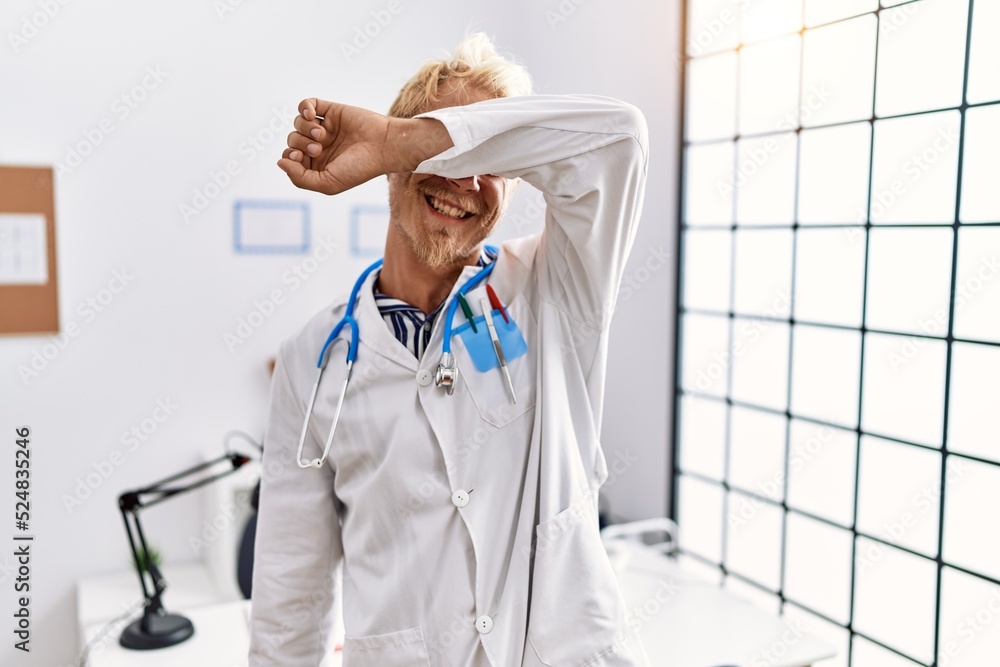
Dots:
pixel 221 639
pixel 103 597
pixel 221 624
pixel 687 622
pixel 684 622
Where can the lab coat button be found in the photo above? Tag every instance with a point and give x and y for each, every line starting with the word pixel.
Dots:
pixel 424 377
pixel 460 499
pixel 484 624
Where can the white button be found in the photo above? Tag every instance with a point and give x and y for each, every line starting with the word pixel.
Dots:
pixel 424 377
pixel 461 499
pixel 484 624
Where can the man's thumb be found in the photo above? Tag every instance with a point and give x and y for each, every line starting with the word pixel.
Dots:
pixel 307 179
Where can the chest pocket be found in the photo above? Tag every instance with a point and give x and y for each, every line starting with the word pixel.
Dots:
pixel 480 370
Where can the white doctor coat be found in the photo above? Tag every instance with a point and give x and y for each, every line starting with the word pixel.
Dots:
pixel 466 525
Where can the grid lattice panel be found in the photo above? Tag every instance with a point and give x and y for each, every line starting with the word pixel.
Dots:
pixel 837 434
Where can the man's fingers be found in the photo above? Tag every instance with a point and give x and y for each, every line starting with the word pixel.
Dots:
pixel 324 108
pixel 308 179
pixel 309 128
pixel 298 174
pixel 311 107
pixel 307 108
pixel 298 156
pixel 303 143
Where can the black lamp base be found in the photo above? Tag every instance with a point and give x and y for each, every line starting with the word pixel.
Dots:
pixel 166 630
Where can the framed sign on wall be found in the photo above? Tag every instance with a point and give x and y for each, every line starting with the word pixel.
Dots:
pixel 29 295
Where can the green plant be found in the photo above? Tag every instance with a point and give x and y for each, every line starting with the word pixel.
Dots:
pixel 152 554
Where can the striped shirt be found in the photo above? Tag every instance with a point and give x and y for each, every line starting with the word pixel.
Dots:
pixel 408 323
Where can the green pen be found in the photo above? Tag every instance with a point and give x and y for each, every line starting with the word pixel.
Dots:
pixel 468 312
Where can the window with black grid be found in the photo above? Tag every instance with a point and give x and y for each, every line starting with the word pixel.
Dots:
pixel 836 450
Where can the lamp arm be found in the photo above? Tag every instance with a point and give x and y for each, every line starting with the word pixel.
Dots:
pixel 131 502
pixel 135 552
pixel 237 461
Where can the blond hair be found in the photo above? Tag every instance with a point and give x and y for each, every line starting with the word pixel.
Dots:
pixel 474 64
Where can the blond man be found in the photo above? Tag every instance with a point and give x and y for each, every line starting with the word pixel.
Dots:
pixel 459 494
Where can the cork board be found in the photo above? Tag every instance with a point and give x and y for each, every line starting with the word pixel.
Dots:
pixel 29 294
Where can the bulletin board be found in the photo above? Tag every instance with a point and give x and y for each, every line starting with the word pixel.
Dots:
pixel 29 295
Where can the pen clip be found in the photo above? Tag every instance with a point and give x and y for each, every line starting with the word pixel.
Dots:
pixel 495 303
pixel 468 312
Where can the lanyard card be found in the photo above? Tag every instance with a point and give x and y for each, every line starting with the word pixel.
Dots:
pixel 480 345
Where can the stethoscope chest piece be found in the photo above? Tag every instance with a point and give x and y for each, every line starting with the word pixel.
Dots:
pixel 447 373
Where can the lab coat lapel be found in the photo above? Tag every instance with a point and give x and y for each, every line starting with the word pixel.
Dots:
pixel 374 333
pixel 432 355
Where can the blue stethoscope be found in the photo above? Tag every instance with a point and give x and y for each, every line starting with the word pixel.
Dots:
pixel 445 376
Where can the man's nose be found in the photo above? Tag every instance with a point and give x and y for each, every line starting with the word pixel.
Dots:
pixel 468 184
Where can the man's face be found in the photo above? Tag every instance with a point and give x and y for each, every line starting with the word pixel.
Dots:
pixel 444 220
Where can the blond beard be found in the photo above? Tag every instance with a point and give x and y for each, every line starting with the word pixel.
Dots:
pixel 436 248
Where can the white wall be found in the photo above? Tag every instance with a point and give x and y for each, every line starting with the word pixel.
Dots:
pixel 223 78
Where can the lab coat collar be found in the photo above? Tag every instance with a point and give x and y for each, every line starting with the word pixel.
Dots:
pixel 374 333
pixel 432 355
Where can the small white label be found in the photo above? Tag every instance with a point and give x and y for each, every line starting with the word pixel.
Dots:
pixel 23 251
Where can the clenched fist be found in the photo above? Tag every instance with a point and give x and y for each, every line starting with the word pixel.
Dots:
pixel 336 147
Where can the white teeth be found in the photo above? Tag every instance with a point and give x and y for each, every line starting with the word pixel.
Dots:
pixel 445 208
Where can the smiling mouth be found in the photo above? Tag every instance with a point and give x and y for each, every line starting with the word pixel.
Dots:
pixel 446 209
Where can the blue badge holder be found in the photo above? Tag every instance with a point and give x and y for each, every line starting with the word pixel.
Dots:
pixel 480 345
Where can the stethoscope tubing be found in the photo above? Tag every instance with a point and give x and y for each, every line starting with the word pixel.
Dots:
pixel 352 353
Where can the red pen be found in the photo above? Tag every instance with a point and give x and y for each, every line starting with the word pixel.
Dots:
pixel 495 303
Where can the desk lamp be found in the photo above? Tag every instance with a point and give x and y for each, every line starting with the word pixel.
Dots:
pixel 158 629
